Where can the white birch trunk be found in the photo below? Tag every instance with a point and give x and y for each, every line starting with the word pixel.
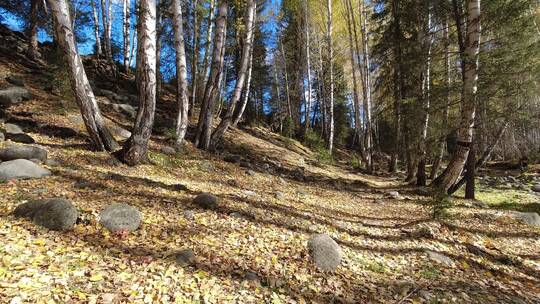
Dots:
pixel 331 72
pixel 181 73
pixel 242 74
pixel 96 29
pixel 94 122
pixel 470 59
pixel 127 27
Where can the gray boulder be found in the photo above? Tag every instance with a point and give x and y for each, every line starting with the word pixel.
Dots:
pixel 55 213
pixel 22 152
pixel 325 252
pixel 14 95
pixel 536 188
pixel 125 109
pixel 119 132
pixel 2 137
pixel 21 169
pixel 120 217
pixel 10 128
pixel 189 215
pixel 206 201
pixel 439 258
pixel 530 218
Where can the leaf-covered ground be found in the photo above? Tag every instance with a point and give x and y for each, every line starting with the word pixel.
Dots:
pixel 494 259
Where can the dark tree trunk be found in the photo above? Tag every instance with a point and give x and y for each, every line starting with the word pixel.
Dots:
pixel 470 174
pixel 33 45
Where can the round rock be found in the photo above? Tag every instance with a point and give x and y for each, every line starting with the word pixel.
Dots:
pixel 120 217
pixel 206 201
pixel 325 252
pixel 55 213
pixel 185 257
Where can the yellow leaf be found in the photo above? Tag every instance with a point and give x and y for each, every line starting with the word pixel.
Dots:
pixel 96 277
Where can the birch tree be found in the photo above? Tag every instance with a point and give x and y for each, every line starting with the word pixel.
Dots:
pixel 135 149
pixel 242 74
pixel 99 51
pixel 181 73
pixel 127 29
pixel 95 124
pixel 308 69
pixel 469 58
pixel 204 126
pixel 330 141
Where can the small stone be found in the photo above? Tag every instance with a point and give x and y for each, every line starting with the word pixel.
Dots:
pixel 249 193
pixel 168 150
pixel 378 201
pixel 120 217
pixel 426 295
pixel 10 128
pixel 536 188
pixel 83 184
pixel 252 277
pixel 55 214
pixel 530 218
pixel 185 257
pixel 13 152
pixel 279 195
pixel 21 169
pixel 206 201
pixel 2 137
pixel 235 215
pixel 439 257
pixel 189 215
pixel 51 163
pixel 395 195
pixel 180 187
pixel 250 173
pixel 325 252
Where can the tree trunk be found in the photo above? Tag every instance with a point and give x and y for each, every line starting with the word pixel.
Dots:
pixel 99 51
pixel 106 16
pixel 204 126
pixel 308 70
pixel 135 150
pixel 33 45
pixel 242 73
pixel 351 20
pixel 397 85
pixel 159 41
pixel 182 99
pixel 368 137
pixel 94 122
pixel 246 93
pixel 195 59
pixel 331 72
pixel 468 100
pixel 286 74
pixel 134 37
pixel 207 49
pixel 448 79
pixel 421 177
pixel 127 28
pixel 470 174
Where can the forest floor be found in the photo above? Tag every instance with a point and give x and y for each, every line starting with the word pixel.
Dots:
pixel 394 251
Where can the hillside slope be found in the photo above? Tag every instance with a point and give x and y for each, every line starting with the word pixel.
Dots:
pixel 252 248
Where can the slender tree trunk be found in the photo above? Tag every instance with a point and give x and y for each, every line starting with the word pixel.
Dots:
pixel 135 150
pixel 182 99
pixel 421 177
pixel 33 45
pixel 470 174
pixel 240 112
pixel 357 122
pixel 448 80
pixel 195 59
pixel 368 137
pixel 397 85
pixel 134 37
pixel 159 41
pixel 127 28
pixel 99 51
pixel 470 80
pixel 308 69
pixel 105 21
pixel 208 46
pixel 204 127
pixel 286 74
pixel 95 124
pixel 331 74
pixel 242 74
